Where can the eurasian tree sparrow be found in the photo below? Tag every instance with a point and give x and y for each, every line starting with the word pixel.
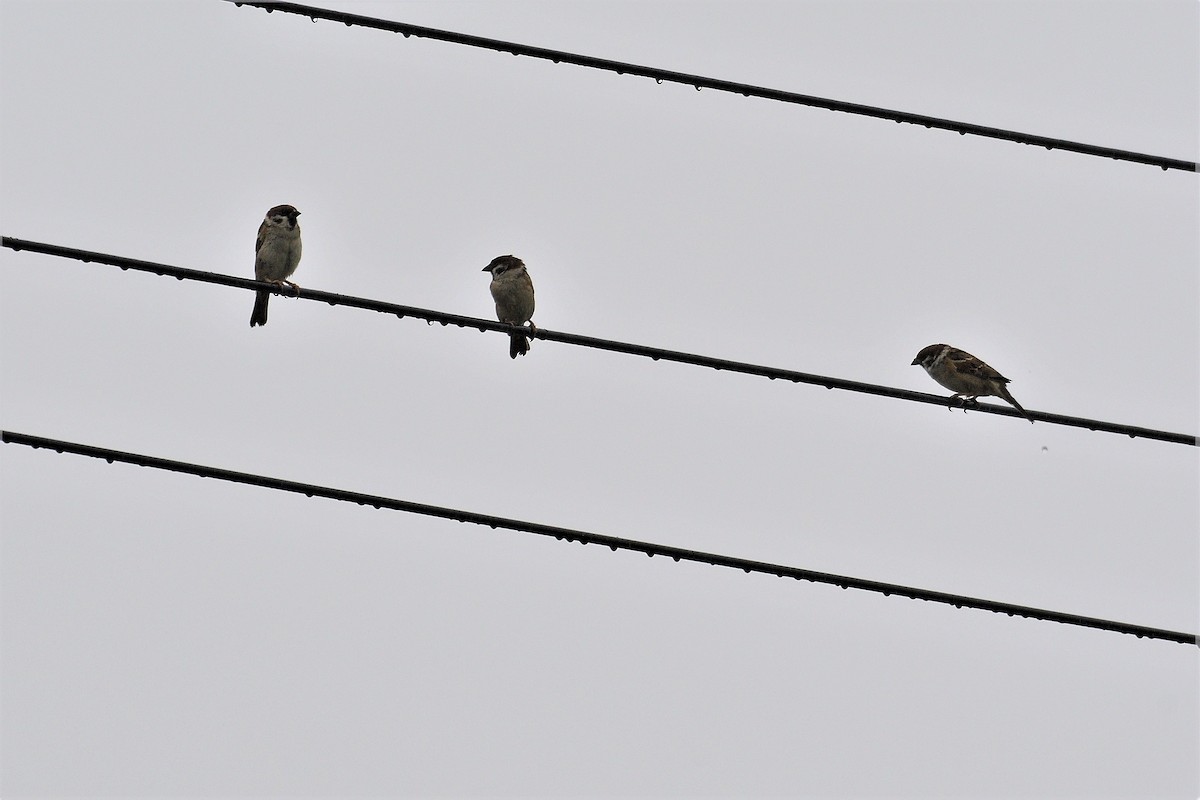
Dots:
pixel 965 375
pixel 513 292
pixel 276 255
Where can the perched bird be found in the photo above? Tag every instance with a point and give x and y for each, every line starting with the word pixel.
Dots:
pixel 513 292
pixel 965 375
pixel 276 254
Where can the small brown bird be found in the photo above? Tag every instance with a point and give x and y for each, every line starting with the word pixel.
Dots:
pixel 513 292
pixel 276 255
pixel 965 375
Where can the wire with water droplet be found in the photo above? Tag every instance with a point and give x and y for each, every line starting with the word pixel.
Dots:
pixel 651 549
pixel 656 354
pixel 699 82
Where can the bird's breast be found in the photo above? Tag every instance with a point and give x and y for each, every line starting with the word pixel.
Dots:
pixel 279 255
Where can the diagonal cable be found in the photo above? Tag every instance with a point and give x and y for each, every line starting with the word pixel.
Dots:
pixel 654 353
pixel 584 537
pixel 701 82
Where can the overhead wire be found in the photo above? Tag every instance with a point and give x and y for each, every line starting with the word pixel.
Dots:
pixel 654 353
pixel 701 82
pixel 584 537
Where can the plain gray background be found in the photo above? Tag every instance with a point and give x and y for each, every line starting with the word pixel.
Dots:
pixel 168 635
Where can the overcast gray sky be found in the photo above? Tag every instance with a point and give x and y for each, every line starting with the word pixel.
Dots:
pixel 167 635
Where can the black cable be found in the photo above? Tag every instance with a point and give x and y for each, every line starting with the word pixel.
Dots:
pixel 654 353
pixel 701 82
pixel 583 537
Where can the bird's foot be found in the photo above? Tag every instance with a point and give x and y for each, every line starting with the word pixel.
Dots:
pixel 964 402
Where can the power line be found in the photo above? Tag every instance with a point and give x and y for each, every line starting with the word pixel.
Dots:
pixel 700 82
pixel 654 353
pixel 583 537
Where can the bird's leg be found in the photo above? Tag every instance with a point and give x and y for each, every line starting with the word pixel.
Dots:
pixel 964 401
pixel 295 286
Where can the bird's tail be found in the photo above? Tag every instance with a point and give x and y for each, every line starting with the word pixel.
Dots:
pixel 1013 402
pixel 259 315
pixel 518 344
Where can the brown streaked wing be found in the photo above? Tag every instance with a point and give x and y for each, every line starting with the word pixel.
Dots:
pixel 969 364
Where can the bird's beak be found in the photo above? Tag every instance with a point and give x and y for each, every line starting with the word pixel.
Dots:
pixel 488 268
pixel 915 362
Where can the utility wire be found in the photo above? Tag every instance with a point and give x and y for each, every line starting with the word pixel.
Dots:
pixel 583 537
pixel 654 353
pixel 700 82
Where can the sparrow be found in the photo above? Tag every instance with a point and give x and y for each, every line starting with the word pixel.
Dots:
pixel 513 292
pixel 965 374
pixel 276 254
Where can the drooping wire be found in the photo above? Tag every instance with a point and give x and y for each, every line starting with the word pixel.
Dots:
pixel 654 353
pixel 583 537
pixel 700 82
